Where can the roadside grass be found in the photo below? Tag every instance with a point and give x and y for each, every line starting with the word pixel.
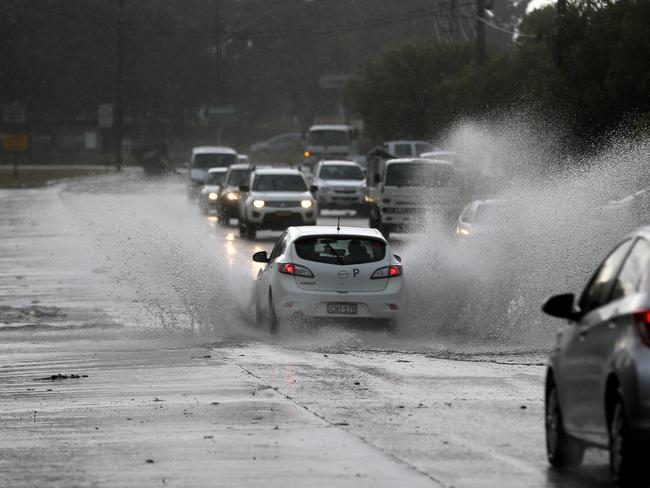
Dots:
pixel 33 177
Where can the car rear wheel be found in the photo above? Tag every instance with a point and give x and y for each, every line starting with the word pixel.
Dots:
pixel 624 456
pixel 563 451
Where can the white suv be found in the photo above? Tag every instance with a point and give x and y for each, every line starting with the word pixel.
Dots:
pixel 275 199
pixel 341 184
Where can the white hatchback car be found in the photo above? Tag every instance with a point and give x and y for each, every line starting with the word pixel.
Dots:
pixel 330 272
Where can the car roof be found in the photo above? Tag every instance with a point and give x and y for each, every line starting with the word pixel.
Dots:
pixel 330 230
pixel 241 166
pixel 213 149
pixel 340 127
pixel 418 160
pixel 643 231
pixel 341 162
pixel 218 170
pixel 408 141
pixel 277 171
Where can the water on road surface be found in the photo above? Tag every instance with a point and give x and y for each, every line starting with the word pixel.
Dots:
pixel 122 282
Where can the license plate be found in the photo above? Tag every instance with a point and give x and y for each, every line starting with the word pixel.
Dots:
pixel 282 214
pixel 342 308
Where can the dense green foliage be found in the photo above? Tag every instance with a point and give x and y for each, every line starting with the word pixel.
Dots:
pixel 590 66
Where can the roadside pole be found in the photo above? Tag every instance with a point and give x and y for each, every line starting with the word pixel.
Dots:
pixel 219 68
pixel 119 87
pixel 480 32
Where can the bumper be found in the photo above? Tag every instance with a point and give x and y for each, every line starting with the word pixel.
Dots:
pixel 273 219
pixel 387 304
pixel 340 201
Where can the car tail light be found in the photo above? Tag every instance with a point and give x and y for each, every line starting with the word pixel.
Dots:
pixel 295 270
pixel 642 321
pixel 387 272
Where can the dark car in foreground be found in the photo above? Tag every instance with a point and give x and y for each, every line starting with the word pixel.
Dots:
pixel 598 379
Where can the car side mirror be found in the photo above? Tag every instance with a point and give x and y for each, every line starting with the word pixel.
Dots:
pixel 313 188
pixel 561 306
pixel 260 257
pixel 376 178
pixel 243 188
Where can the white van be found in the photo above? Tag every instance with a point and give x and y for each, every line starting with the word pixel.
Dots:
pixel 410 188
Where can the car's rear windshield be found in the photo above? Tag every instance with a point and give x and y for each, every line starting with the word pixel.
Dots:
pixel 341 172
pixel 279 183
pixel 213 160
pixel 419 174
pixel 215 178
pixel 341 250
pixel 238 177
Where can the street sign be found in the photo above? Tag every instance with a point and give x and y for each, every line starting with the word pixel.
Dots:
pixel 334 82
pixel 105 116
pixel 16 142
pixel 217 112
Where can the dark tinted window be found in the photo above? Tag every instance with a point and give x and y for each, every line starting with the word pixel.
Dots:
pixel 419 174
pixel 341 250
pixel 215 160
pixel 422 148
pixel 279 183
pixel 238 177
pixel 342 172
pixel 633 272
pixel 403 150
pixel 598 291
pixel 215 178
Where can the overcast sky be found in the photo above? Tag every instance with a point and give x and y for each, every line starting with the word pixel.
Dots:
pixel 537 4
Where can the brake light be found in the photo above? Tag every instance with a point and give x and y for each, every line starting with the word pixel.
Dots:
pixel 642 322
pixel 387 272
pixel 295 270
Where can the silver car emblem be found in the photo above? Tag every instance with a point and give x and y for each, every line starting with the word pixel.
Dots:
pixel 343 275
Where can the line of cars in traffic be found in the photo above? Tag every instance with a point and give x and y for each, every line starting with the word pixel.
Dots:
pixel 597 389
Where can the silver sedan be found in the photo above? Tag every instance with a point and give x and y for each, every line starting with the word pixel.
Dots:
pixel 598 380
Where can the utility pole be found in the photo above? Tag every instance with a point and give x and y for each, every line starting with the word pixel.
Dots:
pixel 119 87
pixel 219 63
pixel 480 32
pixel 560 23
pixel 453 20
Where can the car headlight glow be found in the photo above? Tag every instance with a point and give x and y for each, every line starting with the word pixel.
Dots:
pixel 463 231
pixel 306 204
pixel 213 196
pixel 232 196
pixel 259 203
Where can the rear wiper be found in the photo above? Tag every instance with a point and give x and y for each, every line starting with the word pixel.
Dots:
pixel 339 259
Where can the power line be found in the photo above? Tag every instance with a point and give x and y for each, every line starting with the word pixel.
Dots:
pixel 503 29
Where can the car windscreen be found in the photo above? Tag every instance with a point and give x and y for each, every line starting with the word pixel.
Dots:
pixel 341 250
pixel 341 172
pixel 419 174
pixel 213 160
pixel 279 183
pixel 238 177
pixel 215 178
pixel 328 138
pixel 491 213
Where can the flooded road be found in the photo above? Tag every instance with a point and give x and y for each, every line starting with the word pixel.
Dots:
pixel 143 306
